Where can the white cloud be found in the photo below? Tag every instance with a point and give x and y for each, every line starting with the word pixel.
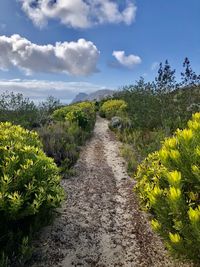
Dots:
pixel 39 90
pixel 126 61
pixel 74 58
pixel 79 13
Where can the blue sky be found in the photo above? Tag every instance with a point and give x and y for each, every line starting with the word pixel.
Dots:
pixel 122 40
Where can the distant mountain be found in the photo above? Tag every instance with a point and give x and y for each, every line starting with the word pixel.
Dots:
pixel 97 95
pixel 80 97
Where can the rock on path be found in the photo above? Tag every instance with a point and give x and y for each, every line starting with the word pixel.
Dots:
pixel 100 224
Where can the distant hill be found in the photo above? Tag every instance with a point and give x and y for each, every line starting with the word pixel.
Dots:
pixel 97 95
pixel 79 97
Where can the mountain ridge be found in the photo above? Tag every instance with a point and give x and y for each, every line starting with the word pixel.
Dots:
pixel 97 95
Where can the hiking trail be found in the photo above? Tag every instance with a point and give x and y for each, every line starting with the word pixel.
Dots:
pixel 100 223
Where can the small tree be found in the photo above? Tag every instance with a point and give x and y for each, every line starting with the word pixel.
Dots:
pixel 18 110
pixel 50 104
pixel 189 77
pixel 46 108
pixel 165 83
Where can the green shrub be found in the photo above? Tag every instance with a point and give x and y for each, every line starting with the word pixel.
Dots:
pixel 45 110
pixel 81 113
pixel 169 187
pixel 17 109
pixel 149 109
pixel 129 155
pixel 61 141
pixel 143 106
pixel 60 114
pixel 113 108
pixel 143 141
pixel 71 127
pixel 29 188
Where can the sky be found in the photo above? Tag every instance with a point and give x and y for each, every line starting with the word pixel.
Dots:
pixel 62 47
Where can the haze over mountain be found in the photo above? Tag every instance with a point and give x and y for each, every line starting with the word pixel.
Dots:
pixel 97 95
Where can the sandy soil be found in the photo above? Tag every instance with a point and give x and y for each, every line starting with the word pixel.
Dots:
pixel 100 224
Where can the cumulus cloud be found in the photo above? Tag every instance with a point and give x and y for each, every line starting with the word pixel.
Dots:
pixel 39 90
pixel 79 13
pixel 74 58
pixel 127 61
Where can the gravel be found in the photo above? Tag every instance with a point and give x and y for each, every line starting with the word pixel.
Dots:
pixel 100 223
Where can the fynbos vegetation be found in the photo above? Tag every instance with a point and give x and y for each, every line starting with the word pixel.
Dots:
pixel 69 129
pixel 142 115
pixel 168 186
pixel 168 179
pixel 29 190
pixel 30 180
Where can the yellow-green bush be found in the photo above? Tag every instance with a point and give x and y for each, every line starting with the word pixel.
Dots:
pixel 60 113
pixel 71 127
pixel 29 187
pixel 81 113
pixel 113 108
pixel 168 182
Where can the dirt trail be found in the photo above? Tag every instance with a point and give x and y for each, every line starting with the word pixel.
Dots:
pixel 100 223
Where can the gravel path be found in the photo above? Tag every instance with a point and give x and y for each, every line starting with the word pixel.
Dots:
pixel 100 223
